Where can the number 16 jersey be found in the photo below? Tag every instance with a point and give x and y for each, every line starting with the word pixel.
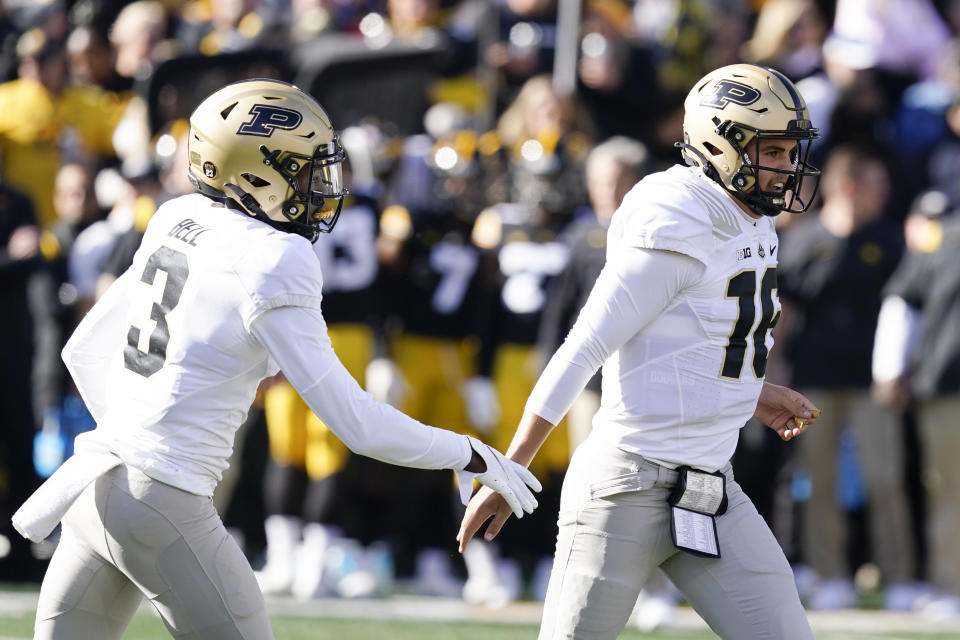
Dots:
pixel 683 372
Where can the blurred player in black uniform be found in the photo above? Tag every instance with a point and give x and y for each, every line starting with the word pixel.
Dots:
pixel 304 475
pixel 521 253
pixel 430 278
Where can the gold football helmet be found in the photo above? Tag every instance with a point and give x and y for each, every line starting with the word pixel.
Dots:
pixel 269 147
pixel 736 106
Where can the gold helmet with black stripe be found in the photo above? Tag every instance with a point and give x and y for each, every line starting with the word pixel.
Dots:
pixel 269 148
pixel 726 115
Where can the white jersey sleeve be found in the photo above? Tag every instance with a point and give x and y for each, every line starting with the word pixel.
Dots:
pixel 286 278
pixel 635 287
pixel 656 215
pixel 296 337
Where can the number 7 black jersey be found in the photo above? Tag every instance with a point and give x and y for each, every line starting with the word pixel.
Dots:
pixel 685 384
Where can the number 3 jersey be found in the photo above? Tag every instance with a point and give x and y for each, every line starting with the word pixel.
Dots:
pixel 169 359
pixel 685 381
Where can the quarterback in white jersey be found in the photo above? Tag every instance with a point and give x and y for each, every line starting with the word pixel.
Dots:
pixel 680 320
pixel 224 291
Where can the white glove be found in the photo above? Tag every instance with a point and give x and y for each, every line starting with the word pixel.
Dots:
pixel 510 479
pixel 483 407
pixel 385 382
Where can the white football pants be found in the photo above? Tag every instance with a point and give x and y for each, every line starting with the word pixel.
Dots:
pixel 615 528
pixel 129 536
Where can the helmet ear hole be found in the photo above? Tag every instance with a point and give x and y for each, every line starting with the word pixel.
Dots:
pixel 714 151
pixel 255 180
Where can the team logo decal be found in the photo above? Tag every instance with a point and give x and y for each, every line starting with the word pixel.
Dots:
pixel 727 91
pixel 265 119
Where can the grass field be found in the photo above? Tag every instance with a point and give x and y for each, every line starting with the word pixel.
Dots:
pixel 147 627
pixel 406 618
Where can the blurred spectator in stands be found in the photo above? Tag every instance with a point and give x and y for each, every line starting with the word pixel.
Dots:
pixel 546 138
pixel 311 18
pixel 916 359
pixel 943 167
pixel 91 59
pixel 526 43
pixel 902 38
pixel 54 298
pixel 617 80
pixel 19 259
pixel 926 126
pixel 8 45
pixel 131 192
pixel 788 36
pixel 223 26
pixel 45 120
pixel 138 38
pixel 833 266
pixel 681 34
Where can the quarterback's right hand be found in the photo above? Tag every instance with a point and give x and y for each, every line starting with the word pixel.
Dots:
pixel 510 479
pixel 485 504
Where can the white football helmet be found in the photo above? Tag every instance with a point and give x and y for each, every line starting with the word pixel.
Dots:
pixel 736 106
pixel 269 148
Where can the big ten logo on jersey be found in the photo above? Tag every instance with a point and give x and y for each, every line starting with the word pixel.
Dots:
pixel 727 91
pixel 348 258
pixel 265 119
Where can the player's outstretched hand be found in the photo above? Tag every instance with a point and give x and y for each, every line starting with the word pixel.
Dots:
pixel 485 504
pixel 510 479
pixel 784 410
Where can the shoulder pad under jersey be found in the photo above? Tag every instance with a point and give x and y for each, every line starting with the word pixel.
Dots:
pixel 284 271
pixel 673 210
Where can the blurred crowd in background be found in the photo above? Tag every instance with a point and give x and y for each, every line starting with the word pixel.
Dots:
pixel 489 142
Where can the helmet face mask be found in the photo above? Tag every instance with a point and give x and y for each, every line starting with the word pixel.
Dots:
pixel 729 115
pixel 269 148
pixel 317 184
pixel 747 180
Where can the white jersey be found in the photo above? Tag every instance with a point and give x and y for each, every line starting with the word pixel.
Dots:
pixel 170 359
pixel 678 388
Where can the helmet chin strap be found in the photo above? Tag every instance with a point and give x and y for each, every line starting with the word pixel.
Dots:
pixel 694 157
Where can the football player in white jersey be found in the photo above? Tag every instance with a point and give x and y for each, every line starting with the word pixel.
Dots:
pixel 680 320
pixel 224 291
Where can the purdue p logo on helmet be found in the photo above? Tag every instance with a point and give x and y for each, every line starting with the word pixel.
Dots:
pixel 727 91
pixel 268 148
pixel 266 119
pixel 728 112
